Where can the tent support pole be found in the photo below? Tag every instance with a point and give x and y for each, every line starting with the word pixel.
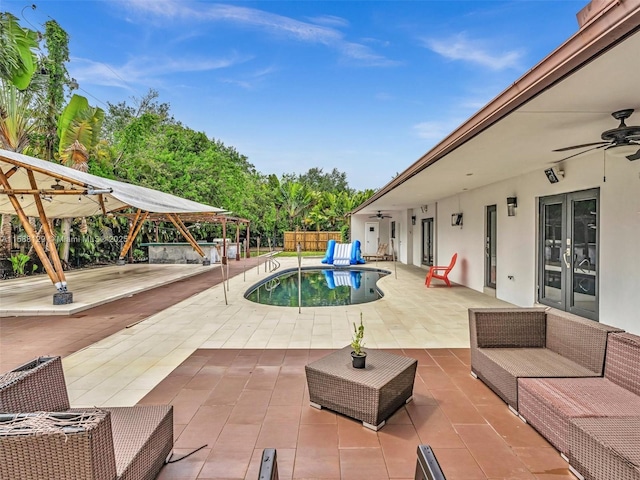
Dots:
pixel 133 233
pixel 224 241
pixel 237 241
pixel 53 251
pixel 185 233
pixel 248 250
pixel 42 255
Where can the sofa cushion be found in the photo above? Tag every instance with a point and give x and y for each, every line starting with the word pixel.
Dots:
pixel 605 448
pixel 550 404
pixel 500 368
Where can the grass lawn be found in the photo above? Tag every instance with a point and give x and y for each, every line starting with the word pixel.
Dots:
pixel 304 254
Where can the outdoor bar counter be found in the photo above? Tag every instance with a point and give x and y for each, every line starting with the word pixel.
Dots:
pixel 184 252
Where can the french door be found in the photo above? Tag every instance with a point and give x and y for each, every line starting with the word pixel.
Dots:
pixel 490 248
pixel 427 241
pixel 568 270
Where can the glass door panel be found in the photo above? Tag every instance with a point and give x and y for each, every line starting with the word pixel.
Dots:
pixel 491 253
pixel 553 235
pixel 427 241
pixel 568 277
pixel 584 261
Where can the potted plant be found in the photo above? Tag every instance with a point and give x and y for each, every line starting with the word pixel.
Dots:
pixel 358 355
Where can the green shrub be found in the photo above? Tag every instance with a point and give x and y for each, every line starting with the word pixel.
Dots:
pixel 18 263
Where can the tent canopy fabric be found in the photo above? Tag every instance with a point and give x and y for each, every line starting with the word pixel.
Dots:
pixel 57 186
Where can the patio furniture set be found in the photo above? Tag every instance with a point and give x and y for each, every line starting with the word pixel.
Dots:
pixel 42 438
pixel 574 380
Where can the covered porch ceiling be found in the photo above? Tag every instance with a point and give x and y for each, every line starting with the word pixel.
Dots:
pixel 574 109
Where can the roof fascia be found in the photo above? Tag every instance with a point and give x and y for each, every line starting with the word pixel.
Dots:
pixel 615 22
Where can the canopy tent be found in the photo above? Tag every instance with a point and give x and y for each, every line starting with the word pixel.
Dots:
pixel 60 187
pixel 30 187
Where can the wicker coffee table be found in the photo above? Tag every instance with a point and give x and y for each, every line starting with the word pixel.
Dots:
pixel 370 395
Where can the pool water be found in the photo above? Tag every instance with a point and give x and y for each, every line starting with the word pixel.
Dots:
pixel 320 287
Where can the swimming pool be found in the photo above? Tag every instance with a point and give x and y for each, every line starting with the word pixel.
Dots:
pixel 321 287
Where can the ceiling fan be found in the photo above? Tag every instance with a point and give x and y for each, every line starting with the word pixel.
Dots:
pixel 623 135
pixel 379 215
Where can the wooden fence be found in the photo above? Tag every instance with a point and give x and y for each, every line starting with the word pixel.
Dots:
pixel 309 241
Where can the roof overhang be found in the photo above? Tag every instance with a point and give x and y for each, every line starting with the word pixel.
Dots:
pixel 69 193
pixel 565 100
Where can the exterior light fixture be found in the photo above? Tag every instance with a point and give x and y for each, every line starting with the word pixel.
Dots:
pixel 413 219
pixel 456 220
pixel 512 204
pixel 554 175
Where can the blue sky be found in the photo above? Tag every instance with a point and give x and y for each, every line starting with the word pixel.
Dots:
pixel 366 87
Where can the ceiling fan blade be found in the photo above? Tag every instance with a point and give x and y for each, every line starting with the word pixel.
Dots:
pixel 579 146
pixel 580 153
pixel 634 156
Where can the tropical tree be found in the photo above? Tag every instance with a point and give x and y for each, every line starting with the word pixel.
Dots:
pixel 79 128
pixel 53 68
pixel 17 44
pixel 17 67
pixel 297 198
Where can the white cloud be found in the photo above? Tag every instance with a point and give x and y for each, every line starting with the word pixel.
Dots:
pixel 461 48
pixel 330 20
pixel 142 70
pixel 321 32
pixel 435 130
pixel 253 80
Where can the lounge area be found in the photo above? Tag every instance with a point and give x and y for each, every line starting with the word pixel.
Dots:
pixel 238 396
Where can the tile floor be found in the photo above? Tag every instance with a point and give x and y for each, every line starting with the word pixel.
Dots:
pixel 234 371
pixel 239 401
pixel 122 368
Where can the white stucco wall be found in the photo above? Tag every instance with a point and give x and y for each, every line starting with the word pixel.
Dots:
pixel 619 234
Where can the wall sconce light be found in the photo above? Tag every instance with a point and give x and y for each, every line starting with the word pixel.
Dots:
pixel 512 204
pixel 456 220
pixel 413 219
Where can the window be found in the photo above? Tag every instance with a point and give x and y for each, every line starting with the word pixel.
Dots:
pixel 393 229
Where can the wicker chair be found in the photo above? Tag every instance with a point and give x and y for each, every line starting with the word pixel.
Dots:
pixel 42 438
pixel 512 343
pixel 37 385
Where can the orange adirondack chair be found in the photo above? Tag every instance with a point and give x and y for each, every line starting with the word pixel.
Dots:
pixel 434 272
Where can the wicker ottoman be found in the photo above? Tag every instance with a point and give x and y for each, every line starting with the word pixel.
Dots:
pixel 370 395
pixel 605 448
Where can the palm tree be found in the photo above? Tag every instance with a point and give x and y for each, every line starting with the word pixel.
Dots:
pixel 297 198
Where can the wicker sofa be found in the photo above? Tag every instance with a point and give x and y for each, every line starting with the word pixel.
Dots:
pixel 512 343
pixel 42 438
pixel 582 415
